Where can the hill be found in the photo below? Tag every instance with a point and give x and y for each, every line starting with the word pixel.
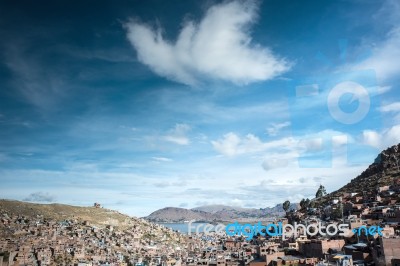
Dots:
pixel 216 213
pixel 97 216
pixel 70 235
pixel 384 171
pixel 171 214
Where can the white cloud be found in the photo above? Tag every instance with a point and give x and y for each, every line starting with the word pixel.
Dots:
pixel 162 159
pixel 384 89
pixel 274 129
pixel 387 48
pixel 284 152
pixel 341 140
pixel 273 163
pixel 231 144
pixel 236 202
pixel 382 59
pixel 393 107
pixel 372 138
pixel 41 86
pixel 218 47
pixel 312 144
pixel 163 184
pixel 178 134
pixel 384 139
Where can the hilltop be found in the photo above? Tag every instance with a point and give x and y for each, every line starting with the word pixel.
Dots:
pixel 384 171
pixel 58 212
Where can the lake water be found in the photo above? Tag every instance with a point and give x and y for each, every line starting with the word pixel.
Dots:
pixel 184 227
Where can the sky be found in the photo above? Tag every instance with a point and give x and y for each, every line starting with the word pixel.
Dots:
pixel 140 105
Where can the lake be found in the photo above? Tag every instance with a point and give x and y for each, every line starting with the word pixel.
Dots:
pixel 184 227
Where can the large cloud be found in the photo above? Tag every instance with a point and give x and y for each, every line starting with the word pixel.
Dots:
pixel 218 47
pixel 231 144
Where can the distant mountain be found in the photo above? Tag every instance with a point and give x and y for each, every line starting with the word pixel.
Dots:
pixel 171 214
pixel 279 209
pixel 216 213
pixel 217 208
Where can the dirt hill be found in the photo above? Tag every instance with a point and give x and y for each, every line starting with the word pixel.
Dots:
pixel 96 216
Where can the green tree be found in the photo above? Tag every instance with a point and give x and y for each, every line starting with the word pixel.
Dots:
pixel 304 204
pixel 337 212
pixel 286 206
pixel 307 203
pixel 320 192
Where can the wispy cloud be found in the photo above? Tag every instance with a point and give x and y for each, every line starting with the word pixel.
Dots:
pixel 178 135
pixel 274 128
pixel 218 47
pixel 178 183
pixel 384 89
pixel 392 107
pixel 382 59
pixel 162 159
pixel 387 48
pixel 40 197
pixel 232 144
pixel 41 86
pixel 272 163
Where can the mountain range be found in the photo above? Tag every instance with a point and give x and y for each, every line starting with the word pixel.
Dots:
pixel 384 171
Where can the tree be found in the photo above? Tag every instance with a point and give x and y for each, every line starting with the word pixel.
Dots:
pixel 286 205
pixel 320 192
pixel 337 212
pixel 304 204
pixel 307 203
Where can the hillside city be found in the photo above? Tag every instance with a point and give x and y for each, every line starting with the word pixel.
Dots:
pixel 370 199
pixel 200 133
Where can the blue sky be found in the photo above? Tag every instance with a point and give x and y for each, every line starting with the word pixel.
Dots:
pixel 142 105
